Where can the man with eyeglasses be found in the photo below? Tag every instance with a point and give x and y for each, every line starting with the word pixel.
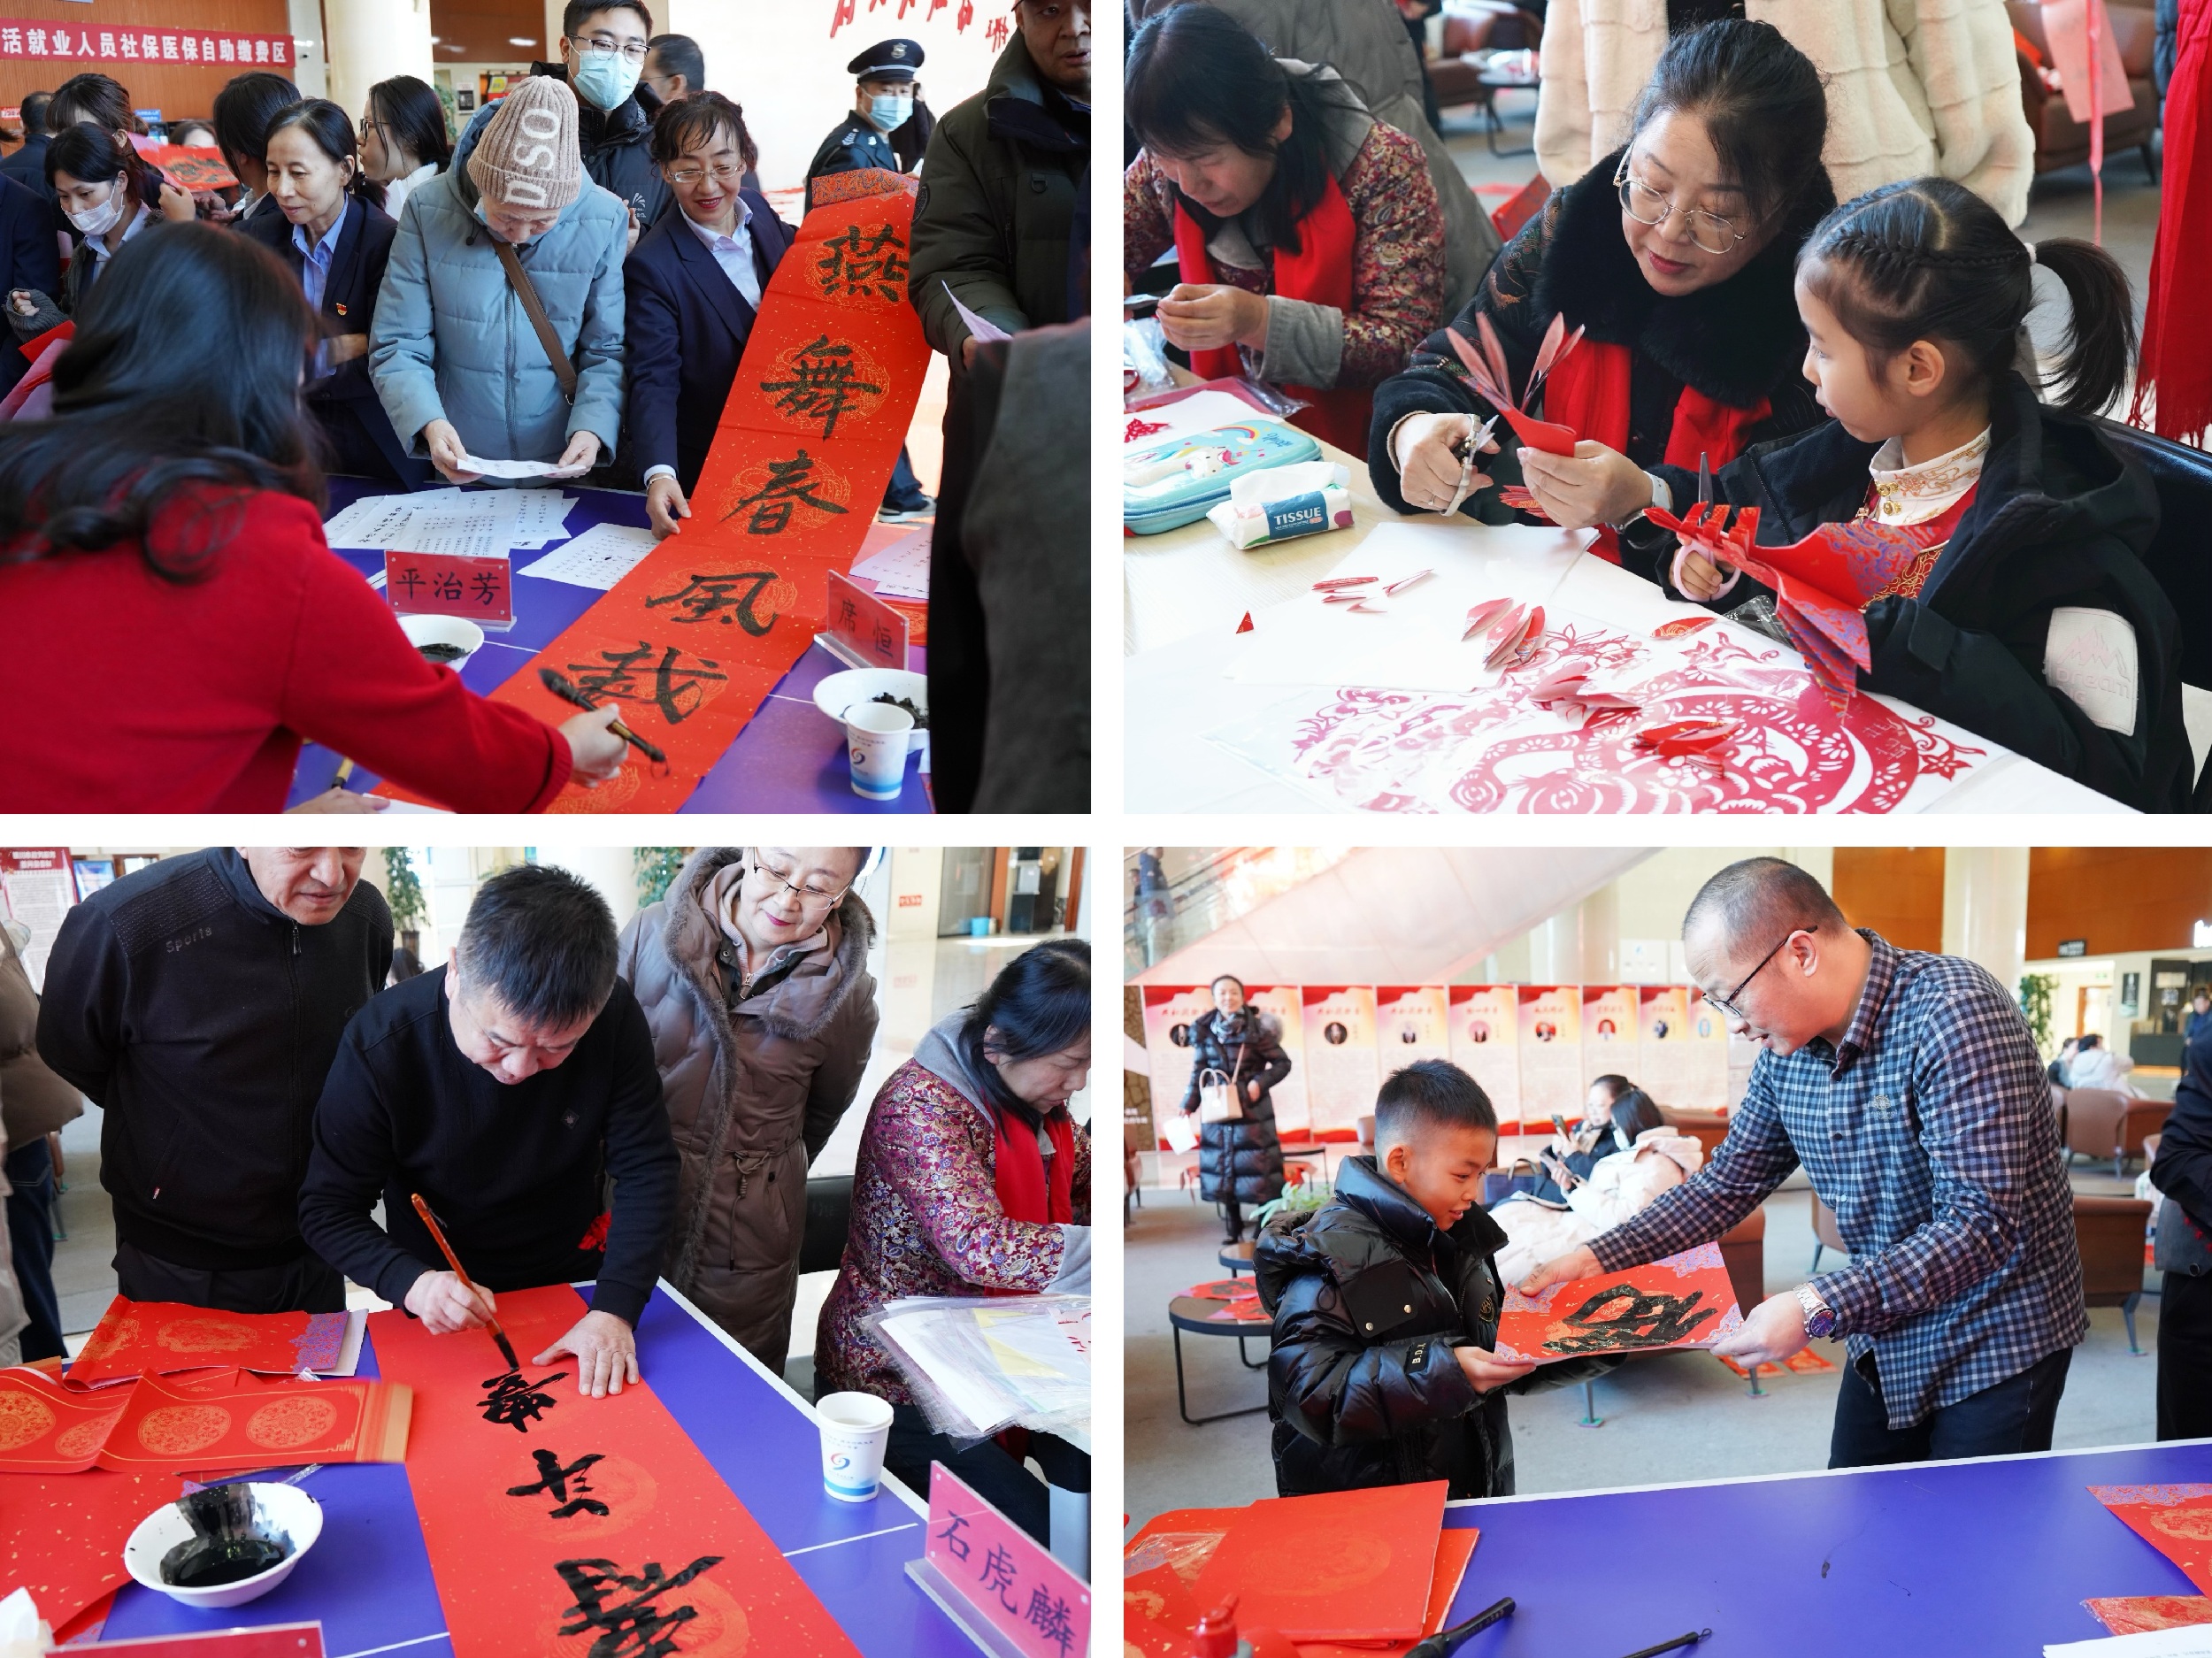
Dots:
pixel 1909 1088
pixel 692 286
pixel 505 1087
pixel 753 973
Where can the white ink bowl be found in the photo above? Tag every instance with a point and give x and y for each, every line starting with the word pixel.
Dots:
pixel 455 632
pixel 286 1508
pixel 841 691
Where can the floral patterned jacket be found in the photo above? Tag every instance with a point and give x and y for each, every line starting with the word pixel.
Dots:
pixel 926 1221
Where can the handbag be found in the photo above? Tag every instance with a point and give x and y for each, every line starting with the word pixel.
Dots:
pixel 518 279
pixel 1217 1100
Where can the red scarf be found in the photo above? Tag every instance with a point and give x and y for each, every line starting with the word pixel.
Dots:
pixel 2176 360
pixel 1321 273
pixel 1026 1189
pixel 1589 392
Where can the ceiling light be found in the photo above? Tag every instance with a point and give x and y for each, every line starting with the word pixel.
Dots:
pixel 521 40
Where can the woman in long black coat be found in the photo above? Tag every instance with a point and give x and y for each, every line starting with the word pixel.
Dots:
pixel 1239 1162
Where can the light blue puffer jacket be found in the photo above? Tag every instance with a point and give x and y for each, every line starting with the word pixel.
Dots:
pixel 451 341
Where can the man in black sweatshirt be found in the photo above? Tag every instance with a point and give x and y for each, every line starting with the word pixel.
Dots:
pixel 506 1088
pixel 198 1003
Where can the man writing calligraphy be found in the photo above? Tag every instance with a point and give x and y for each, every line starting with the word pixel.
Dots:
pixel 1909 1087
pixel 505 1087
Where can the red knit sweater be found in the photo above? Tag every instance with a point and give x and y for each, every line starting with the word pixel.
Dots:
pixel 138 693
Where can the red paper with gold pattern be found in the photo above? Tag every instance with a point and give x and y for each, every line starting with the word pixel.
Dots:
pixel 46 1428
pixel 62 1535
pixel 2174 1520
pixel 239 1420
pixel 2140 1613
pixel 694 637
pixel 166 1337
pixel 545 1510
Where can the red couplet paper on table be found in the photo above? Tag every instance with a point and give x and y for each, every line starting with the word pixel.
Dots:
pixel 693 638
pixel 557 1523
pixel 983 1568
pixel 1685 1300
pixel 166 1337
pixel 238 1420
pixel 480 590
pixel 273 1640
pixel 2174 1520
pixel 1347 1566
pixel 2140 1613
pixel 62 1535
pixel 46 1428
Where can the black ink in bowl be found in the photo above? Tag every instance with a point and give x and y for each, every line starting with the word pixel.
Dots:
pixel 233 1538
pixel 442 652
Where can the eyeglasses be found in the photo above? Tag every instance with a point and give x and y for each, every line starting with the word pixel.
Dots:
pixel 1647 206
pixel 725 172
pixel 812 896
pixel 1727 1004
pixel 599 46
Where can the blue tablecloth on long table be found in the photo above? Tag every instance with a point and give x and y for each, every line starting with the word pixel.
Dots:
pixel 1993 1556
pixel 368 1579
pixel 789 757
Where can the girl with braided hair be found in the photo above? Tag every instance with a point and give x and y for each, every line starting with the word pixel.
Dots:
pixel 2031 620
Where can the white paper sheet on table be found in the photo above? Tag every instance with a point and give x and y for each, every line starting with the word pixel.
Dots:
pixel 541 515
pixel 599 557
pixel 1200 411
pixel 2191 1641
pixel 483 468
pixel 1415 641
pixel 476 523
pixel 900 571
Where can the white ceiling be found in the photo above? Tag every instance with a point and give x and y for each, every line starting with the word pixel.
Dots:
pixel 1400 916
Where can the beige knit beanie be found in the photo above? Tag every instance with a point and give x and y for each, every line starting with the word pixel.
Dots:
pixel 528 155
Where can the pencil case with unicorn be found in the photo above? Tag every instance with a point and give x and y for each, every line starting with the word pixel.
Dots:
pixel 1178 480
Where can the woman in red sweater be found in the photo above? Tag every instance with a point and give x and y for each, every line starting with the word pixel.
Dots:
pixel 165 591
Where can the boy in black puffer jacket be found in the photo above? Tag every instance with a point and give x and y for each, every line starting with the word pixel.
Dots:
pixel 1386 1308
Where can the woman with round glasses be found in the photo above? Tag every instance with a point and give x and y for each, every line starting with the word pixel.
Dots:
pixel 404 143
pixel 1675 255
pixel 753 973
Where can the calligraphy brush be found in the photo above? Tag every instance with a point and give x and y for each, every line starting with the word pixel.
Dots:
pixel 437 1235
pixel 1441 1644
pixel 1690 1639
pixel 564 688
pixel 338 778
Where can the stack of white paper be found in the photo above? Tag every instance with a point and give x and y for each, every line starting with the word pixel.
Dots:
pixel 477 523
pixel 601 556
pixel 981 1363
pixel 900 571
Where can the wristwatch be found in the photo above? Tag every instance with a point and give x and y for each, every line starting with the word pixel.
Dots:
pixel 1820 1318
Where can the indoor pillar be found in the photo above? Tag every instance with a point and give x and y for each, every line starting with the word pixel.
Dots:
pixel 368 41
pixel 1985 909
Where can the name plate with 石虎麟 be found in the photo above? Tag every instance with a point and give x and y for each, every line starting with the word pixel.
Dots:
pixel 999 1583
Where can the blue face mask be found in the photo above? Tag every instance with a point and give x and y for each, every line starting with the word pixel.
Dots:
pixel 603 79
pixel 889 110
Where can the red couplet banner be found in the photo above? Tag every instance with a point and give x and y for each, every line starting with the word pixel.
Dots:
pixel 693 638
pixel 550 1516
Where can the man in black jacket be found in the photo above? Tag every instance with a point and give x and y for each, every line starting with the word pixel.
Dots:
pixel 504 1088
pixel 1385 1306
pixel 27 166
pixel 2182 1252
pixel 198 1003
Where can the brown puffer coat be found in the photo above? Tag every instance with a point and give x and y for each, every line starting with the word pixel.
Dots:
pixel 34 1101
pixel 752 1095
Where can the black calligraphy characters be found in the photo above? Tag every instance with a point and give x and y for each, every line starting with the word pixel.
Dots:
pixel 621 1612
pixel 1622 1318
pixel 863 264
pixel 824 383
pixel 790 485
pixel 513 1402
pixel 558 1482
pixel 728 598
pixel 676 688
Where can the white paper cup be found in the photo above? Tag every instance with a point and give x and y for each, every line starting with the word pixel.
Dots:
pixel 876 742
pixel 854 1429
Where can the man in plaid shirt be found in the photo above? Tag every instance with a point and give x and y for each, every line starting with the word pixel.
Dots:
pixel 1909 1087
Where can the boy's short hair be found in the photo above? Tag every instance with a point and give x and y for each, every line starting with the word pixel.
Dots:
pixel 1430 1093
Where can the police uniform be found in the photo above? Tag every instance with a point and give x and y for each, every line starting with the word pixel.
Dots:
pixel 856 144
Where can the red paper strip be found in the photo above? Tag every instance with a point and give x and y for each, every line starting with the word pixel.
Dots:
pixel 1454 1550
pixel 693 638
pixel 192 167
pixel 2174 1520
pixel 62 1535
pixel 1685 1300
pixel 2140 1613
pixel 1364 1562
pixel 166 1337
pixel 46 1428
pixel 550 1516
pixel 238 1420
pixel 76 43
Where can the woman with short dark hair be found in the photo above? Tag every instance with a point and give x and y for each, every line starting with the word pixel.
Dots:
pixel 973 1180
pixel 164 574
pixel 1308 234
pixel 331 233
pixel 243 109
pixel 404 141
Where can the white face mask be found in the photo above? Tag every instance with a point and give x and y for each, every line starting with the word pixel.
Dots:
pixel 101 220
pixel 888 110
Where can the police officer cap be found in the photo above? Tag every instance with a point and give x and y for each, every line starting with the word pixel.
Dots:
pixel 886 60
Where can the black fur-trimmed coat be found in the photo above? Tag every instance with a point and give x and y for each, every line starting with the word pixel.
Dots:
pixel 1736 341
pixel 1240 1161
pixel 752 1092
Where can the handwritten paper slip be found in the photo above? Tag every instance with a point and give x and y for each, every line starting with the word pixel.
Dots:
pixel 900 571
pixel 541 514
pixel 601 556
pixel 483 468
pixel 981 328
